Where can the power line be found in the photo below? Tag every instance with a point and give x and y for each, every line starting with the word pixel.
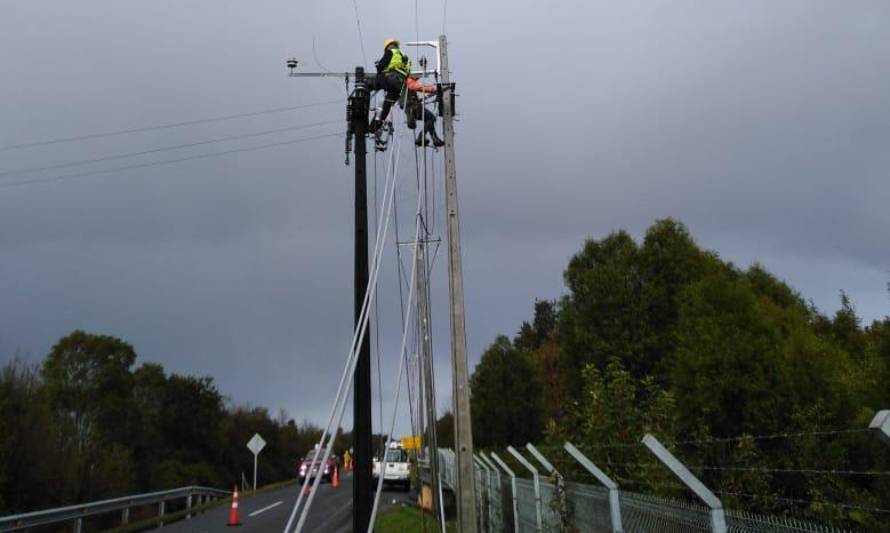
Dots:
pixel 163 126
pixel 164 149
pixel 66 177
pixel 361 39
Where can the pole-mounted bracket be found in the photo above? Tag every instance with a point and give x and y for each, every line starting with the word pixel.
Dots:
pixel 881 424
pixel 718 517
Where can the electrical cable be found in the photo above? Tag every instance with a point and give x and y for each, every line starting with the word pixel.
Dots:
pixel 163 126
pixel 66 177
pixel 384 462
pixel 349 369
pixel 165 149
pixel 377 309
pixel 349 372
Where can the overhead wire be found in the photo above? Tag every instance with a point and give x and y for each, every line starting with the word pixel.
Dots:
pixel 66 177
pixel 361 39
pixel 163 126
pixel 164 149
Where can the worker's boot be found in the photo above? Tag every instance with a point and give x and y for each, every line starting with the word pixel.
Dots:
pixel 430 128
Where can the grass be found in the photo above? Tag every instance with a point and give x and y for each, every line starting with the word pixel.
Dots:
pixel 407 519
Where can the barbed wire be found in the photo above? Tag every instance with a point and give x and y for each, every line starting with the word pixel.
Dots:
pixel 773 436
pixel 802 470
pixel 724 440
pixel 800 501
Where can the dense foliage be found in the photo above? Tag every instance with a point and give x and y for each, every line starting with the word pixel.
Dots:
pixel 88 425
pixel 665 337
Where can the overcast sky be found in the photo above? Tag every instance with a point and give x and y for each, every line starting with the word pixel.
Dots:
pixel 762 124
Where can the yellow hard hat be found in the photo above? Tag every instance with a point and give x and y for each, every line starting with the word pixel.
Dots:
pixel 389 42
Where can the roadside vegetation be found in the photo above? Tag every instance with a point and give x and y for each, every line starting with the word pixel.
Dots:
pixel 88 424
pixel 407 519
pixel 662 336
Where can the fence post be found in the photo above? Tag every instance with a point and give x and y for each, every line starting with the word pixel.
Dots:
pixel 881 424
pixel 188 506
pixel 490 491
pixel 512 487
pixel 495 474
pixel 614 500
pixel 161 508
pixel 78 525
pixel 482 493
pixel 125 516
pixel 560 485
pixel 539 515
pixel 718 518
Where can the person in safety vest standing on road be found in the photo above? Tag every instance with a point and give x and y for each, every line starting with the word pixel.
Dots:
pixel 394 75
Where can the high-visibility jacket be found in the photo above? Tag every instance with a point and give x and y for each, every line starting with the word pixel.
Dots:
pixel 398 62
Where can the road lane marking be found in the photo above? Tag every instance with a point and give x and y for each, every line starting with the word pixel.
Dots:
pixel 336 517
pixel 264 509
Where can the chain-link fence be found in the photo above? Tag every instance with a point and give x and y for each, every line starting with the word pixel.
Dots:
pixel 578 507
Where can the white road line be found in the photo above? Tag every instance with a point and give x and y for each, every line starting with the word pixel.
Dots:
pixel 264 509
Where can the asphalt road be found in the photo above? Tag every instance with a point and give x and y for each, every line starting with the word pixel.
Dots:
pixel 268 512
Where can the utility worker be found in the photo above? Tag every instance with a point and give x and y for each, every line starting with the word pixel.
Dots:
pixel 394 75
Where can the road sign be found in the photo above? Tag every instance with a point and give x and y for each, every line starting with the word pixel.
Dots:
pixel 411 443
pixel 255 445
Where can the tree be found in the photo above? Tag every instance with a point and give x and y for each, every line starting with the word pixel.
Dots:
pixel 506 397
pixel 89 383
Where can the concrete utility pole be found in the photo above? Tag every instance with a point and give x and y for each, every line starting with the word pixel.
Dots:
pixel 463 430
pixel 362 488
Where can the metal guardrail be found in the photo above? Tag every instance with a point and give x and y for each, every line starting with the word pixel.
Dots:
pixel 76 513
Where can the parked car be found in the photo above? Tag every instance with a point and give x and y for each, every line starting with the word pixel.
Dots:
pixel 398 467
pixel 327 472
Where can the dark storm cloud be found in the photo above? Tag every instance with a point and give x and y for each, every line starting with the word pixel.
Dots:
pixel 762 125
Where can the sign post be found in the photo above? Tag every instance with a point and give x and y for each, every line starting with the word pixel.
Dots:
pixel 255 445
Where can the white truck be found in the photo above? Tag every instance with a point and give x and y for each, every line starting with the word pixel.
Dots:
pixel 398 467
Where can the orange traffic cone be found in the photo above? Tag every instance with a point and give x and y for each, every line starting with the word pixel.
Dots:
pixel 335 481
pixel 308 488
pixel 233 514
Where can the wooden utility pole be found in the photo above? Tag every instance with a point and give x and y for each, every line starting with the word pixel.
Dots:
pixel 463 429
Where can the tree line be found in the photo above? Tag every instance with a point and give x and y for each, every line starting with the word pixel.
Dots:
pixel 665 337
pixel 87 424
